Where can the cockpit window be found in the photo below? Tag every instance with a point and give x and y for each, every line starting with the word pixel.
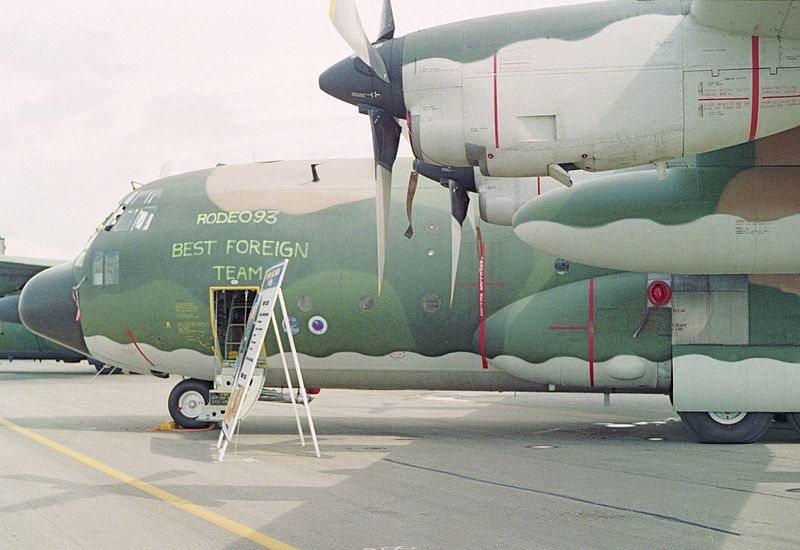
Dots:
pixel 126 221
pixel 113 218
pixel 137 211
pixel 140 198
pixel 143 218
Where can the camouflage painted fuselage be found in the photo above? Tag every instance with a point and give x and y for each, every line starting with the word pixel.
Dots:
pixel 146 281
pixel 145 286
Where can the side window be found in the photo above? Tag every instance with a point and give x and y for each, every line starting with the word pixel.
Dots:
pixel 97 269
pixel 111 271
pixel 105 268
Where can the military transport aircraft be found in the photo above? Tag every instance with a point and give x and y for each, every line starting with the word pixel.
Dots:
pixel 596 86
pixel 165 284
pixel 16 342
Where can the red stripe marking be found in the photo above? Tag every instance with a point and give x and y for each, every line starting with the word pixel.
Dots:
pixel 482 302
pixel 567 328
pixel 591 332
pixel 77 301
pixel 136 345
pixel 780 96
pixel 496 124
pixel 756 90
pixel 538 186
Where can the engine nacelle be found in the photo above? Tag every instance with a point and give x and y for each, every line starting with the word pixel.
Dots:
pixel 596 333
pixel 644 82
pixel 500 198
pixel 733 211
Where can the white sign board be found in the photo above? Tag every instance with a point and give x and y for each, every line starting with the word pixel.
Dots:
pixel 250 348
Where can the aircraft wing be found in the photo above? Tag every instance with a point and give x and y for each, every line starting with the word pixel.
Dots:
pixel 769 18
pixel 15 272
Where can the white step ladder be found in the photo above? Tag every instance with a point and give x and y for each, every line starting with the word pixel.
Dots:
pixel 258 324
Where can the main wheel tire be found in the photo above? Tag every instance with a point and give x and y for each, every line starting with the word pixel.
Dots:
pixel 794 420
pixel 186 402
pixel 727 427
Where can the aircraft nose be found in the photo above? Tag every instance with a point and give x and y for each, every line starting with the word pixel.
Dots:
pixel 47 307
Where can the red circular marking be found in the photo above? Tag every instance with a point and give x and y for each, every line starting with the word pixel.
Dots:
pixel 659 293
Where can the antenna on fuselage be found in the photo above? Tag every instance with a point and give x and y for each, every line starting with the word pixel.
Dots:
pixel 314 174
pixel 166 169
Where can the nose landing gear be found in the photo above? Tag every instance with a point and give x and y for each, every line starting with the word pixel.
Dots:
pixel 187 402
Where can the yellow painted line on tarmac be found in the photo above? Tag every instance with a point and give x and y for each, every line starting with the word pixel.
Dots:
pixel 180 503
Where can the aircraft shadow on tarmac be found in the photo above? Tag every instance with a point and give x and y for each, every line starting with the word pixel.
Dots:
pixel 561 484
pixel 499 476
pixel 17 375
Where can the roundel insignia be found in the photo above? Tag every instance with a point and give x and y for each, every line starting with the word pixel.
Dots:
pixel 291 324
pixel 317 325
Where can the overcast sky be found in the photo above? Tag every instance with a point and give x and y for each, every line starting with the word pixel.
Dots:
pixel 96 94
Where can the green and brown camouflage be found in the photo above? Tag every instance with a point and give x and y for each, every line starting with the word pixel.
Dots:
pixel 150 292
pixel 598 86
pixel 725 212
pixel 146 283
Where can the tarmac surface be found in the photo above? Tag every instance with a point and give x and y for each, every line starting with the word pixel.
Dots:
pixel 399 470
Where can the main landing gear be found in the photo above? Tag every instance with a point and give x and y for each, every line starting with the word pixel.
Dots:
pixel 728 427
pixel 187 402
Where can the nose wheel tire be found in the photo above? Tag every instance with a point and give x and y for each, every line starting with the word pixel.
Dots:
pixel 187 400
pixel 727 427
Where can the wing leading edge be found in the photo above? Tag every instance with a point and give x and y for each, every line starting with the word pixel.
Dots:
pixel 768 18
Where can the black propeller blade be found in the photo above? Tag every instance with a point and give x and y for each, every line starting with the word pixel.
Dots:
pixel 385 141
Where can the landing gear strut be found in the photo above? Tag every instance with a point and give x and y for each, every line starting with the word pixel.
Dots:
pixel 727 427
pixel 187 401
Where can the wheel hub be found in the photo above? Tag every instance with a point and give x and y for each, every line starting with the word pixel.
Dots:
pixel 727 417
pixel 191 404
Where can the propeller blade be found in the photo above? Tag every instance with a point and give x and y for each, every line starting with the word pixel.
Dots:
pixel 347 22
pixel 387 22
pixel 383 197
pixel 473 215
pixel 459 204
pixel 413 178
pixel 385 141
pixel 455 252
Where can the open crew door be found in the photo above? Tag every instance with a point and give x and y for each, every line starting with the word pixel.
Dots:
pixel 230 308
